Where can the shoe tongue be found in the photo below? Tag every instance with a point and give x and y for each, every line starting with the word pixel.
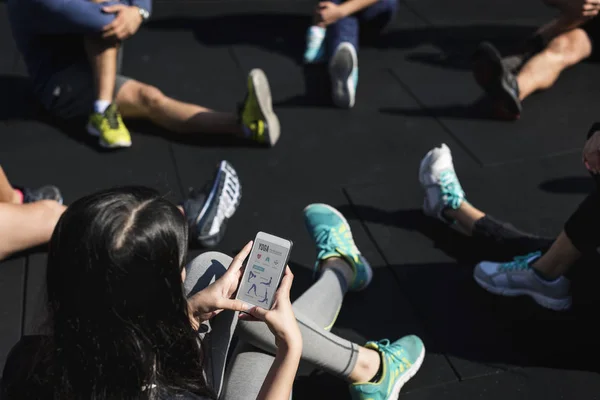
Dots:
pixel 111 116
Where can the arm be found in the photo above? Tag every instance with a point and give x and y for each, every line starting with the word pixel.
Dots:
pixel 353 6
pixel 72 16
pixel 144 4
pixel 280 380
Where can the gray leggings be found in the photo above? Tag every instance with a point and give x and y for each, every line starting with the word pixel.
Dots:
pixel 316 311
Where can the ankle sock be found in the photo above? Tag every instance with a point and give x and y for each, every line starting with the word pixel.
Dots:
pixel 100 106
pixel 379 373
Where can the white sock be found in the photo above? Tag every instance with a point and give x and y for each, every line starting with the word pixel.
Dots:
pixel 100 106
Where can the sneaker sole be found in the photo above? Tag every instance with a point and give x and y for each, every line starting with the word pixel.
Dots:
pixel 262 90
pixel 488 71
pixel 341 66
pixel 553 304
pixel 412 371
pixel 368 268
pixel 224 168
pixel 96 133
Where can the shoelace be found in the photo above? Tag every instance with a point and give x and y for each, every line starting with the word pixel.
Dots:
pixel 328 240
pixel 519 263
pixel 452 192
pixel 394 351
pixel 112 118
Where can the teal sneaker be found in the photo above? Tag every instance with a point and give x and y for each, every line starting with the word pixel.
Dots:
pixel 343 70
pixel 331 233
pixel 315 45
pixel 401 361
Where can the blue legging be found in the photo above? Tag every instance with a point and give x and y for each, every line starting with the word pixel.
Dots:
pixel 372 20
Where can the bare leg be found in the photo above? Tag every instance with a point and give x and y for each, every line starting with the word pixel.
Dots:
pixel 560 25
pixel 103 57
pixel 7 193
pixel 557 261
pixel 138 100
pixel 541 71
pixel 27 225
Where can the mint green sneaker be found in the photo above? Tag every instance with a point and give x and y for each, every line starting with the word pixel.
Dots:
pixel 401 361
pixel 331 233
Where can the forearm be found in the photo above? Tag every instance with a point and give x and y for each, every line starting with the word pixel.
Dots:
pixel 280 380
pixel 144 4
pixel 353 6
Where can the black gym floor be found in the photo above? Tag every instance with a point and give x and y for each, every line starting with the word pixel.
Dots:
pixel 415 92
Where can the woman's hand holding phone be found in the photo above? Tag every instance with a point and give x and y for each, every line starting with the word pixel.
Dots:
pixel 217 297
pixel 280 318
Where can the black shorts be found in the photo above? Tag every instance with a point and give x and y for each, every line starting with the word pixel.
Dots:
pixel 592 28
pixel 71 92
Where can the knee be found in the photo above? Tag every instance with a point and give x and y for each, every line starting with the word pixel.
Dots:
pixel 570 48
pixel 204 270
pixel 151 98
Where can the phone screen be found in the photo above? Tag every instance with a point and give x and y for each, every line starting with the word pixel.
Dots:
pixel 263 271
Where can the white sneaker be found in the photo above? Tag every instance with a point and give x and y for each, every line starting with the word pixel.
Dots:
pixel 441 185
pixel 343 70
pixel 518 278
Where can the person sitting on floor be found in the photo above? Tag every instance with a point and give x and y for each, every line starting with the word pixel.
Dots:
pixel 71 47
pixel 539 274
pixel 335 37
pixel 137 335
pixel 30 216
pixel 536 64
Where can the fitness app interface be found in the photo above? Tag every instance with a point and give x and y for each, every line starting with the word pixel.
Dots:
pixel 263 271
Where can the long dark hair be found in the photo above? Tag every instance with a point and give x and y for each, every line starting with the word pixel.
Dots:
pixel 120 321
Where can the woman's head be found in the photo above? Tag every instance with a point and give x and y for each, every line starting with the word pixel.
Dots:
pixel 118 312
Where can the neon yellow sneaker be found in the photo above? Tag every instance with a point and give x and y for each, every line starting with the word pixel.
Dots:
pixel 257 117
pixel 109 128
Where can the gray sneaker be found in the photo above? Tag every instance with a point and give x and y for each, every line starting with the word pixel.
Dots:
pixel 517 278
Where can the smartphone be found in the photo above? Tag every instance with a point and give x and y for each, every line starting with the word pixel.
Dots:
pixel 264 269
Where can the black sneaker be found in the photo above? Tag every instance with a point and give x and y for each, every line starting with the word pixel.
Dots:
pixel 497 80
pixel 208 210
pixel 42 193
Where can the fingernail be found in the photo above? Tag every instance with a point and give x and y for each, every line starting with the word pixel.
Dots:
pixel 246 306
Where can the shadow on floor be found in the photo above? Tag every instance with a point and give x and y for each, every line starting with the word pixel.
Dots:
pixel 569 185
pixel 285 34
pixel 481 109
pixel 469 323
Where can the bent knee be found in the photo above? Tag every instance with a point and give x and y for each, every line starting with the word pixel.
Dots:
pixel 570 48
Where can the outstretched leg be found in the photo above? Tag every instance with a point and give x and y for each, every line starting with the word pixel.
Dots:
pixel 27 225
pixel 379 368
pixel 537 274
pixel 533 65
pixel 256 120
